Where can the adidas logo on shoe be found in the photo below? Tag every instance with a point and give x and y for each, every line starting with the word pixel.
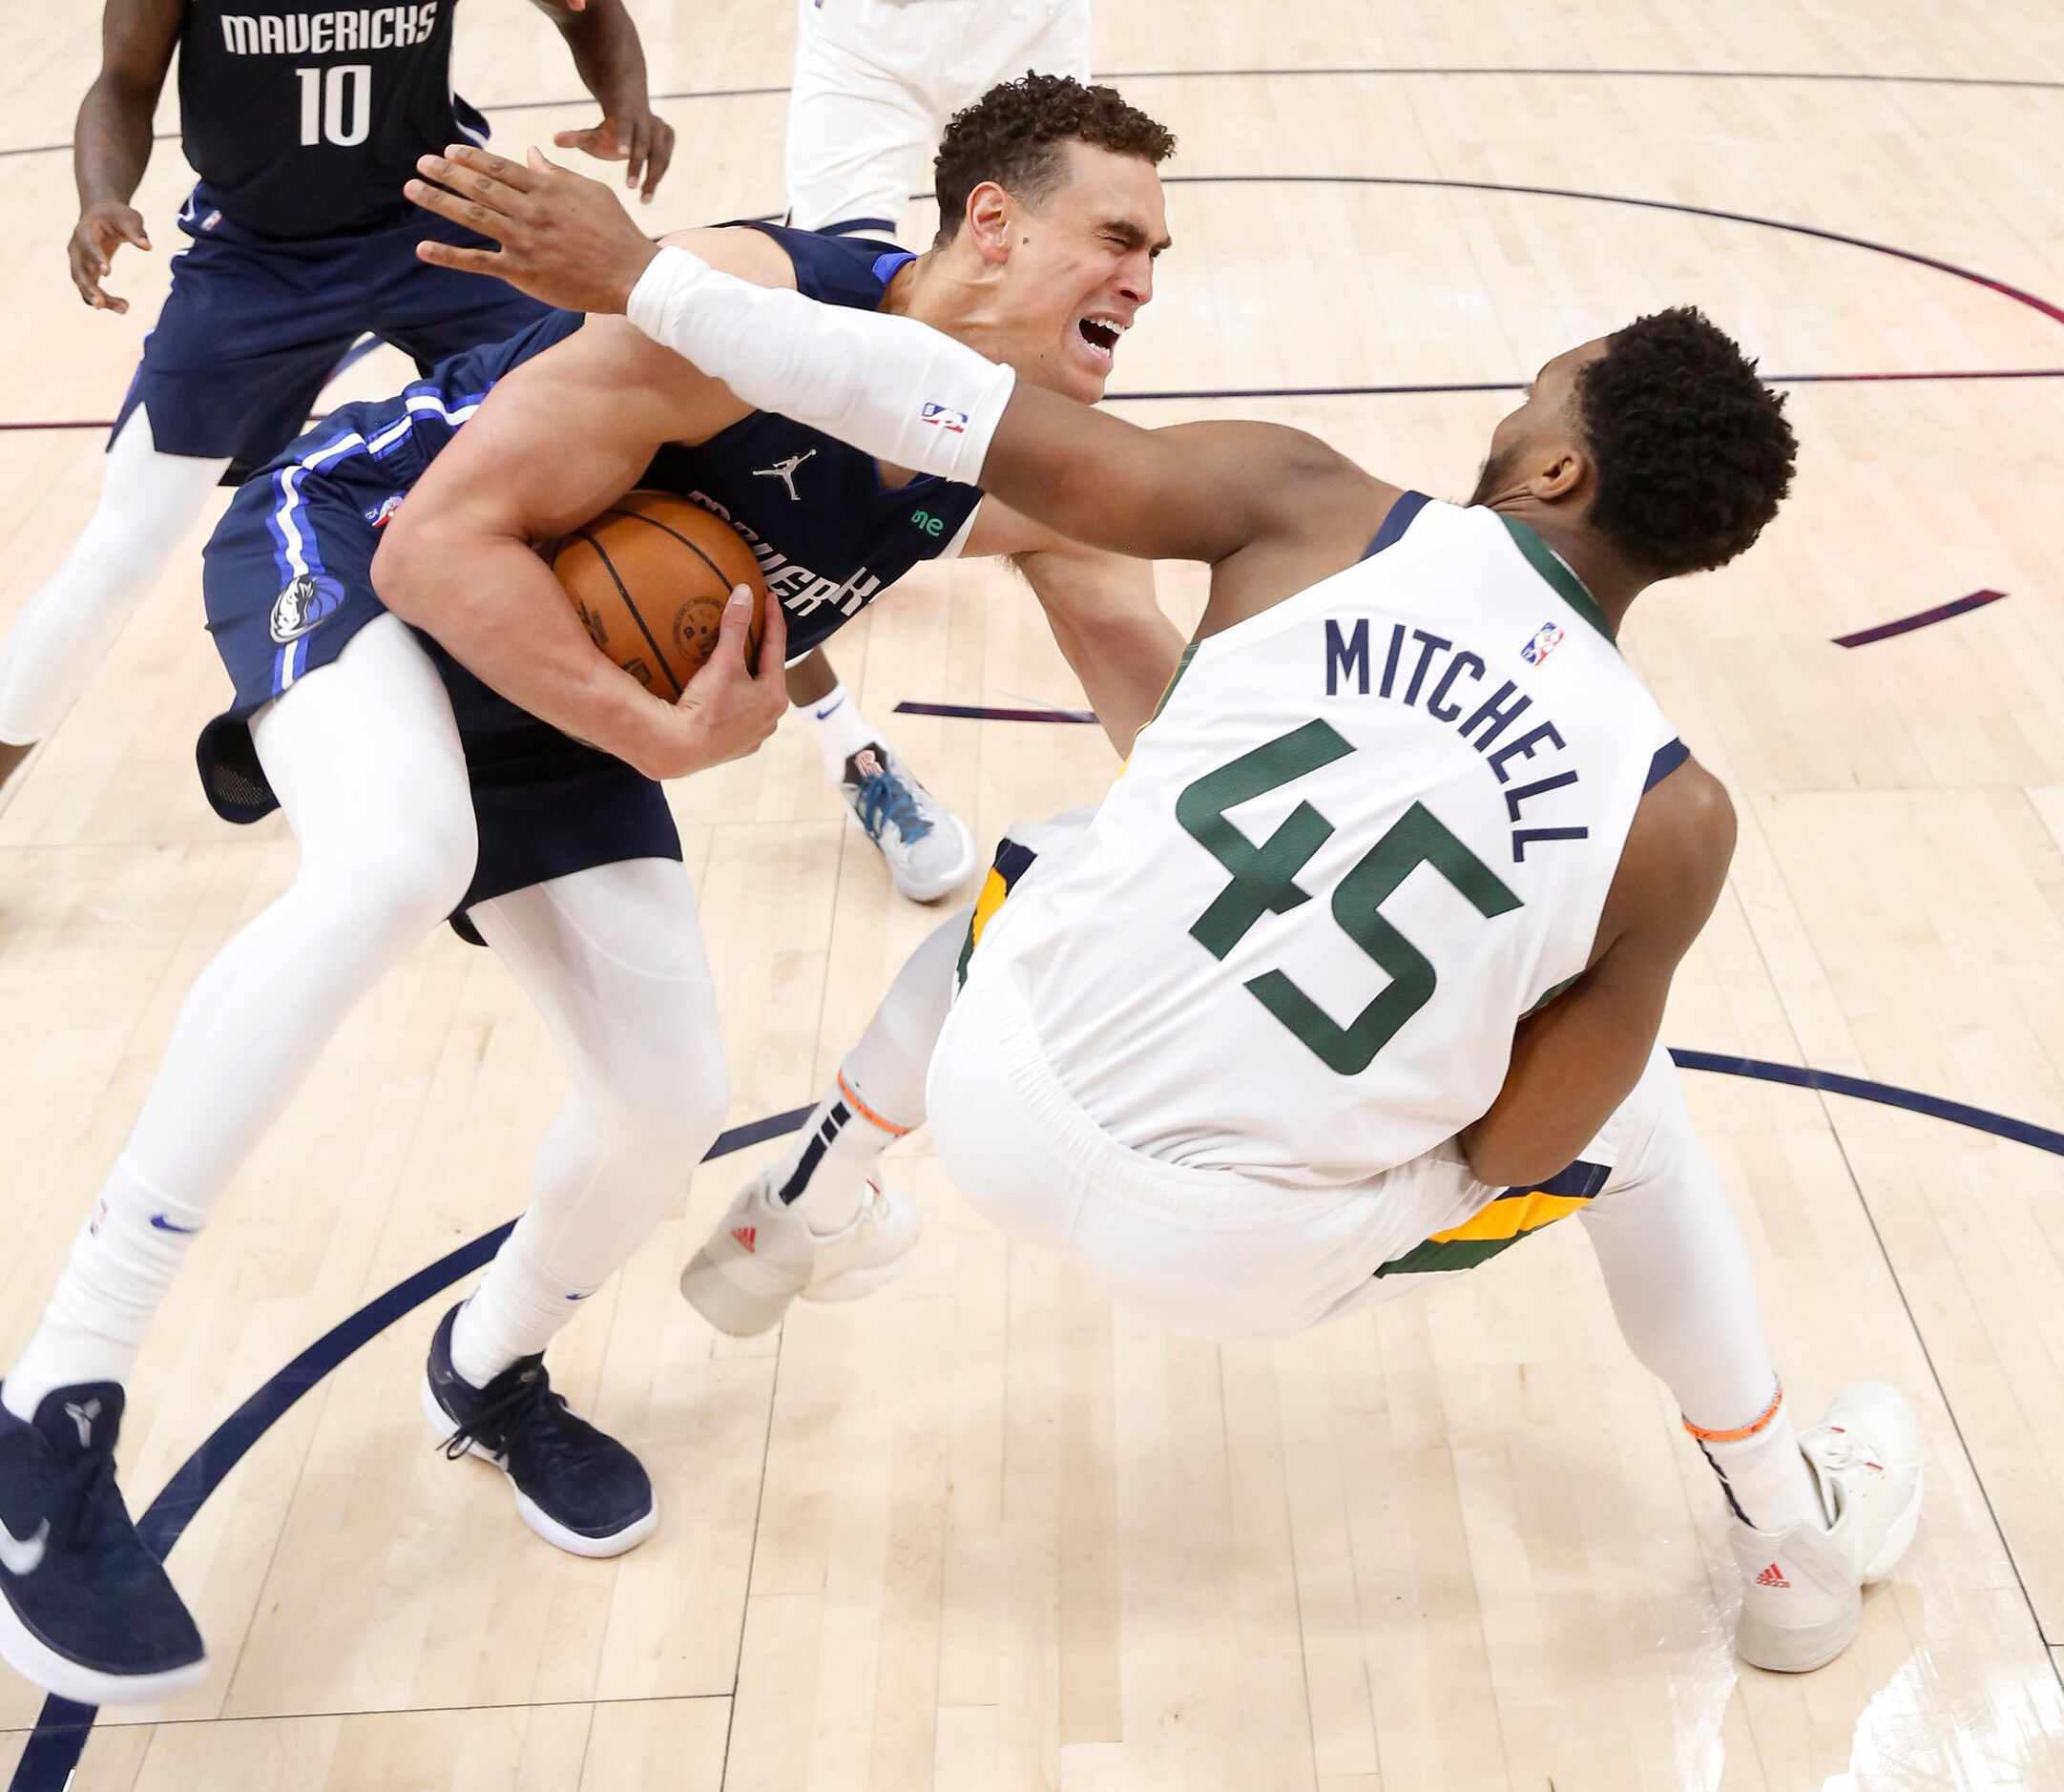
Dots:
pixel 1771 1577
pixel 746 1236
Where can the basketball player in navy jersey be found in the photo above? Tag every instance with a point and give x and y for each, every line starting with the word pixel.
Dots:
pixel 445 773
pixel 873 85
pixel 303 119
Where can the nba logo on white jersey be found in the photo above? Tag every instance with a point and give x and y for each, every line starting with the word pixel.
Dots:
pixel 943 417
pixel 1546 639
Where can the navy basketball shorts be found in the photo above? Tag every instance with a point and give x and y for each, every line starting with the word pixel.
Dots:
pixel 254 326
pixel 288 582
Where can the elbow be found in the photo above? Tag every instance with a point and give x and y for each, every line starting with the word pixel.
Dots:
pixel 1509 1163
pixel 402 574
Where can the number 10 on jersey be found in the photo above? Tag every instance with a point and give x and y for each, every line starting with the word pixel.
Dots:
pixel 336 103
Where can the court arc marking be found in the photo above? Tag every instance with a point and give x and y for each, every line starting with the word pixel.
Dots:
pixel 2028 299
pixel 62 1727
pixel 1833 76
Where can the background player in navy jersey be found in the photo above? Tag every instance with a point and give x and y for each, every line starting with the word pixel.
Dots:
pixel 444 771
pixel 302 119
pixel 873 85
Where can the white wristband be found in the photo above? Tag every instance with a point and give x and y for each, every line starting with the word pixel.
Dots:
pixel 893 387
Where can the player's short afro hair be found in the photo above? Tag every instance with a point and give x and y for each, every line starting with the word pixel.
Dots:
pixel 1692 450
pixel 1012 136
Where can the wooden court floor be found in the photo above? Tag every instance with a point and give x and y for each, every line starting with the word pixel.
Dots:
pixel 981 1533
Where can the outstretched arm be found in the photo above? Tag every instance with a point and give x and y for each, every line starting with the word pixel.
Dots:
pixel 906 393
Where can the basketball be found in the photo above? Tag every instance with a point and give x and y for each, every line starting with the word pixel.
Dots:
pixel 649 578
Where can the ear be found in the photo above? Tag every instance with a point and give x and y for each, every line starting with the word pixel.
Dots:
pixel 1559 474
pixel 988 222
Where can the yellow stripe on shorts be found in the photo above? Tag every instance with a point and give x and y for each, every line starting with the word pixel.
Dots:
pixel 994 890
pixel 1510 1215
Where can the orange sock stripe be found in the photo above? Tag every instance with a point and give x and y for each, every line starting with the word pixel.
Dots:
pixel 1735 1436
pixel 866 1113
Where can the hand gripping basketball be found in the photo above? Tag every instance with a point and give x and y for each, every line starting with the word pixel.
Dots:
pixel 728 710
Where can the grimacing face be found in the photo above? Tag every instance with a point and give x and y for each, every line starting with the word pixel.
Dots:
pixel 1545 423
pixel 1081 266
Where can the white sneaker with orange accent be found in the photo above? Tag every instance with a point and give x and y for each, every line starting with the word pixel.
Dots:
pixel 765 1255
pixel 1802 1593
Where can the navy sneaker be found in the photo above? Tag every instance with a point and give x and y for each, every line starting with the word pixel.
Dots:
pixel 90 1613
pixel 575 1486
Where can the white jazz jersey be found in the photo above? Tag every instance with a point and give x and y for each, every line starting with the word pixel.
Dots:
pixel 1369 830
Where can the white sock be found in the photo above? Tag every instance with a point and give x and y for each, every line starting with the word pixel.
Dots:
pixel 1761 1472
pixel 838 727
pixel 825 1176
pixel 121 1264
pixel 514 1313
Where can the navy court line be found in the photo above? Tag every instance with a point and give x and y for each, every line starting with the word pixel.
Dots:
pixel 62 1727
pixel 977 712
pixel 1886 1094
pixel 1920 619
pixel 1432 389
pixel 1400 72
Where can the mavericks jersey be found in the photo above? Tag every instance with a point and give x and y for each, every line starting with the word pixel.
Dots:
pixel 828 535
pixel 1367 832
pixel 303 119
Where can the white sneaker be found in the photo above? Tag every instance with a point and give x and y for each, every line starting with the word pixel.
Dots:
pixel 927 850
pixel 1802 1596
pixel 764 1254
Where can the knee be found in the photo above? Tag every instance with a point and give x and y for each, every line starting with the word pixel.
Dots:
pixel 663 1096
pixel 403 884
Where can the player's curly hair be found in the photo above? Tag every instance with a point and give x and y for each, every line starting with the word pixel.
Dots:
pixel 1012 136
pixel 1693 450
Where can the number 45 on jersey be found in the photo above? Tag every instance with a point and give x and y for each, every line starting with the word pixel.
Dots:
pixel 1264 883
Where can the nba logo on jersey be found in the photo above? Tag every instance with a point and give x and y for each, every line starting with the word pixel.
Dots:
pixel 944 416
pixel 389 505
pixel 1546 639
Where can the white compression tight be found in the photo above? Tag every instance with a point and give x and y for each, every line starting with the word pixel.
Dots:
pixel 1684 1295
pixel 147 502
pixel 614 959
pixel 366 757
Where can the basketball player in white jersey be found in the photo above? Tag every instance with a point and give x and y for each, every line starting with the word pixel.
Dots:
pixel 874 83
pixel 1357 974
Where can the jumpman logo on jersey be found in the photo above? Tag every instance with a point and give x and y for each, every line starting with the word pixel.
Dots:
pixel 785 472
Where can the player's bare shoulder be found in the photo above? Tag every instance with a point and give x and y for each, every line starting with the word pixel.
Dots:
pixel 740 251
pixel 1675 858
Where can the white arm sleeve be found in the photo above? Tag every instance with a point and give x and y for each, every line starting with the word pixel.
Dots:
pixel 894 387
